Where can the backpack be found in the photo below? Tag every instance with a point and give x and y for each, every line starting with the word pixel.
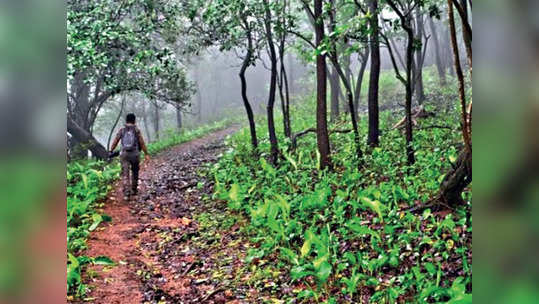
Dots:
pixel 129 139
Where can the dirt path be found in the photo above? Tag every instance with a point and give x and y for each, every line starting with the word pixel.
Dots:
pixel 172 244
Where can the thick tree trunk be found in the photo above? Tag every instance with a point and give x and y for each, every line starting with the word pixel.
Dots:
pixel 273 85
pixel 374 122
pixel 322 136
pixel 77 149
pixel 460 176
pixel 334 87
pixel 437 56
pixel 85 138
pixel 457 179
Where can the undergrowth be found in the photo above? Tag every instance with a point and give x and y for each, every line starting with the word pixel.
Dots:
pixel 342 235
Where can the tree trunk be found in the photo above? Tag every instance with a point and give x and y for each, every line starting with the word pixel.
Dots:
pixel 273 84
pixel 291 80
pixel 374 121
pixel 351 110
pixel 346 63
pixel 156 120
pixel 322 136
pixel 418 79
pixel 450 63
pixel 409 63
pixel 407 26
pixel 283 83
pixel 288 127
pixel 466 29
pixel 460 77
pixel 460 176
pixel 359 80
pixel 179 119
pixel 83 136
pixel 284 97
pixel 334 86
pixel 437 56
pixel 247 105
pixel 77 149
pixel 280 85
pixel 145 121
pixel 198 93
pixel 457 179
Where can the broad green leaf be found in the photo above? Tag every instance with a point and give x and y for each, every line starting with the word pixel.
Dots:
pixel 324 271
pixel 97 220
pixel 375 206
pixel 306 247
pixel 299 272
pixel 430 268
pixel 234 191
pixel 318 262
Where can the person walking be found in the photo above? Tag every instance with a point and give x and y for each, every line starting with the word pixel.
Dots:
pixel 131 145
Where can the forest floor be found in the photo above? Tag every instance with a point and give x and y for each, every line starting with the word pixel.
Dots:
pixel 172 243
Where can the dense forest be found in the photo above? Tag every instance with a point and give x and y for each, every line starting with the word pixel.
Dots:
pixel 301 151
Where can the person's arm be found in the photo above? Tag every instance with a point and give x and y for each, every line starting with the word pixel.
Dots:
pixel 142 144
pixel 116 140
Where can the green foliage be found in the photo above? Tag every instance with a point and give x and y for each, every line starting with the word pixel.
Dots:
pixel 119 46
pixel 307 216
pixel 87 183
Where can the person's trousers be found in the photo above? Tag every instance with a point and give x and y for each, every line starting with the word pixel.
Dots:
pixel 130 167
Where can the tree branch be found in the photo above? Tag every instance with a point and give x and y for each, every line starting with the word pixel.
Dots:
pixel 295 136
pixel 303 38
pixel 397 72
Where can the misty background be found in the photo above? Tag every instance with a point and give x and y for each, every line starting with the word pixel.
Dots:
pixel 217 96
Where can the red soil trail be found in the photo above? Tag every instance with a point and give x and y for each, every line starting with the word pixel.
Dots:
pixel 147 235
